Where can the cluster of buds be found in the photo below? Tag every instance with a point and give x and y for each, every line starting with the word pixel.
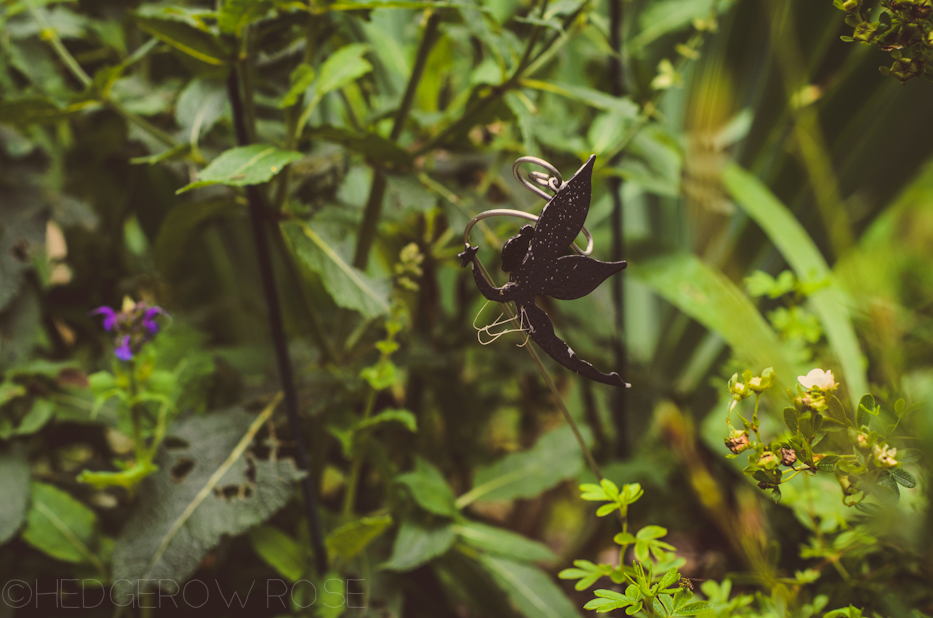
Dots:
pixel 132 326
pixel 738 441
pixel 750 385
pixel 883 456
pixel 903 29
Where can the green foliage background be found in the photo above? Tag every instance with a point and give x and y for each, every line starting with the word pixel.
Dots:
pixel 769 187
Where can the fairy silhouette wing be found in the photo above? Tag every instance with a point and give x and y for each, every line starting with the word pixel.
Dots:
pixel 564 215
pixel 575 276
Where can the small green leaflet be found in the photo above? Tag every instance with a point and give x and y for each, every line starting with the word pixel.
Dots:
pixel 245 165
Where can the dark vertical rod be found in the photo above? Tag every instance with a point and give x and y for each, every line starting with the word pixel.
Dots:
pixel 278 332
pixel 616 80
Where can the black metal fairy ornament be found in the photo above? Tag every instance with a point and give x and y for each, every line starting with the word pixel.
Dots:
pixel 536 267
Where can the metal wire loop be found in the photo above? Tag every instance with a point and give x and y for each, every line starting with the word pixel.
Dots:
pixel 521 214
pixel 554 182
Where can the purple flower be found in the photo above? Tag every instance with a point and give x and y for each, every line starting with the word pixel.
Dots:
pixel 123 351
pixel 132 326
pixel 148 320
pixel 110 317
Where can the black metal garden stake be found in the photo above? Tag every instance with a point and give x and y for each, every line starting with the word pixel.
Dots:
pixel 535 265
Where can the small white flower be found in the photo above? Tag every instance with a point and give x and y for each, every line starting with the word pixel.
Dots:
pixel 883 456
pixel 817 378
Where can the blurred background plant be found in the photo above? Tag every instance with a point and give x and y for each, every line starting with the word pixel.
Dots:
pixel 769 188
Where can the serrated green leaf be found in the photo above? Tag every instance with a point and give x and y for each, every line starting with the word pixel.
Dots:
pixel 178 519
pixel 244 165
pixel 279 550
pixel 350 288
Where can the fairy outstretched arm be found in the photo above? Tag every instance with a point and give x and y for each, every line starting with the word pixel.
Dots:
pixel 504 294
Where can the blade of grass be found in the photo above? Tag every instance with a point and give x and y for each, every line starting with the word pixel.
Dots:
pixel 801 253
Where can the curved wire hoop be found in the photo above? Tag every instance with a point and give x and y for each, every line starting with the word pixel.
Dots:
pixel 554 182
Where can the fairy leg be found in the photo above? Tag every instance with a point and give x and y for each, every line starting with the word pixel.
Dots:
pixel 542 332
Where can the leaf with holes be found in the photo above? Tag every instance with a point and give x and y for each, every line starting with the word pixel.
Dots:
pixel 244 165
pixel 206 488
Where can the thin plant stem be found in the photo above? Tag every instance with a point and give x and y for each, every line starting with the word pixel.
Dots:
pixel 278 333
pixel 49 33
pixel 373 211
pixel 616 79
pixel 358 458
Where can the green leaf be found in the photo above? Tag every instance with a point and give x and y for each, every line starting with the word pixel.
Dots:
pixel 651 532
pixel 351 538
pixel 417 544
pixel 235 14
pixel 667 16
pixel 244 165
pixel 692 609
pixel 300 80
pixel 279 550
pixel 391 415
pixel 371 145
pixel 790 419
pixel 60 526
pixel 179 227
pixel 39 414
pixel 429 489
pixel 349 287
pixel 344 66
pixel 623 107
pixel 587 572
pixel 14 486
pixel 205 489
pixel 531 591
pixel 36 109
pixel 909 456
pixel 555 457
pixel 185 31
pixel 706 295
pixel 802 254
pixel 10 391
pixel 624 538
pixel 903 477
pixel 502 542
